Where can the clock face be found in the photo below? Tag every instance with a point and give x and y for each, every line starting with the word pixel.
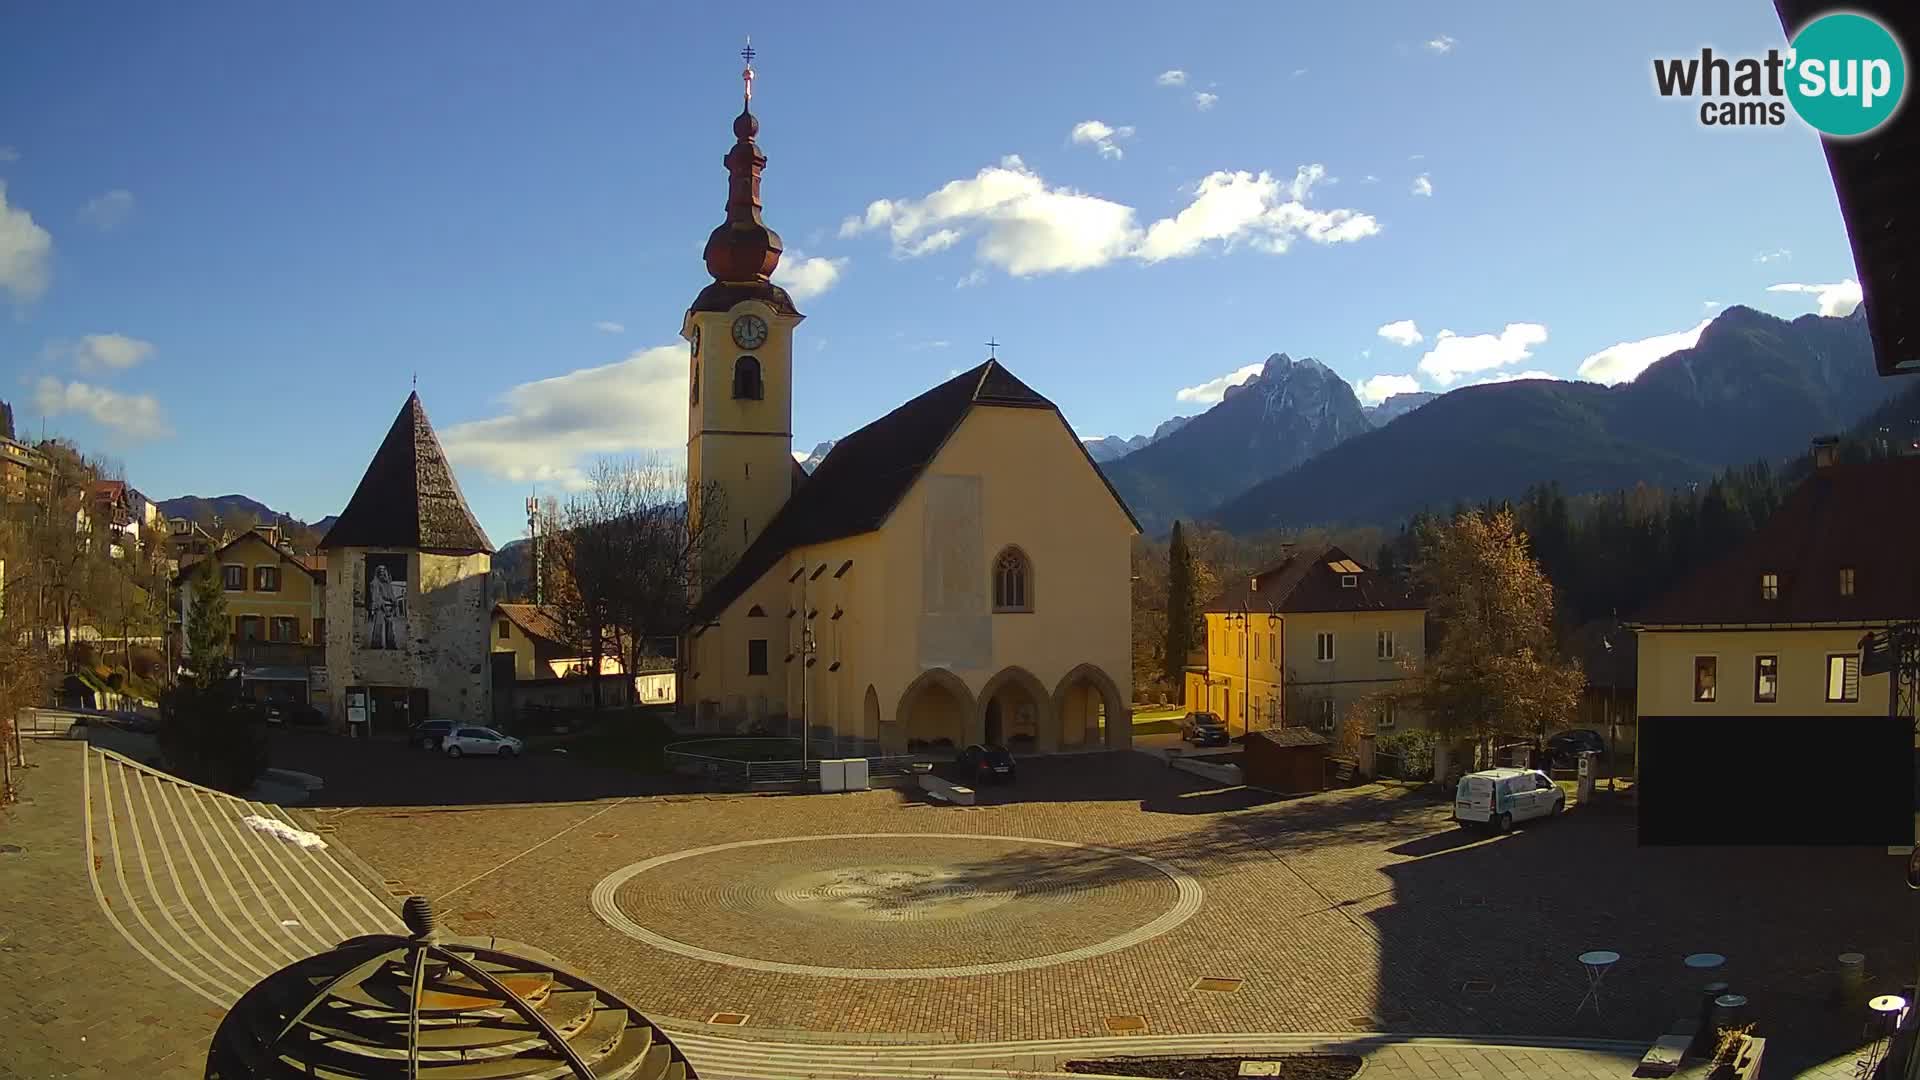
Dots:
pixel 749 331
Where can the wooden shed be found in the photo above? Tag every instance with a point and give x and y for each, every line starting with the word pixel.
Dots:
pixel 1290 760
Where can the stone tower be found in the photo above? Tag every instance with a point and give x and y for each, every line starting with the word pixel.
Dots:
pixel 407 598
pixel 740 383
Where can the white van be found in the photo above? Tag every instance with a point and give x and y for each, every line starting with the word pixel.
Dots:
pixel 1500 797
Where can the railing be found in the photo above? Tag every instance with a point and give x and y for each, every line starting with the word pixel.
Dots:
pixel 279 653
pixel 785 772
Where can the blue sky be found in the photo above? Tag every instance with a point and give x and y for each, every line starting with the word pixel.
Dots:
pixel 231 235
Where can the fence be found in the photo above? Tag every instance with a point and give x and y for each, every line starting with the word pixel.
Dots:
pixel 743 772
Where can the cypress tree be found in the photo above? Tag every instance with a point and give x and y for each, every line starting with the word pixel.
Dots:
pixel 1179 609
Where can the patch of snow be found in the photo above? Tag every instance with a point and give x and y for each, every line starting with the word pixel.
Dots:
pixel 276 827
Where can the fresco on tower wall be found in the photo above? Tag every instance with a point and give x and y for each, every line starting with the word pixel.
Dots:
pixel 386 601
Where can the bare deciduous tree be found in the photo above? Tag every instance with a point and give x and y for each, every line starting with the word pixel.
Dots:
pixel 623 559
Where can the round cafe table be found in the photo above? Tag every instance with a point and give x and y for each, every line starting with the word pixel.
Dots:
pixel 1596 962
pixel 1705 961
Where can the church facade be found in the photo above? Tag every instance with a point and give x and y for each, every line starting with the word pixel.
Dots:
pixel 958 571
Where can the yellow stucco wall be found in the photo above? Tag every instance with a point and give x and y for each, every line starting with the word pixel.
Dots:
pixel 299 597
pixel 745 446
pixel 1241 663
pixel 1037 490
pixel 1666 673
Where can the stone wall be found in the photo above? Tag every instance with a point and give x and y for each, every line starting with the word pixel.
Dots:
pixel 443 642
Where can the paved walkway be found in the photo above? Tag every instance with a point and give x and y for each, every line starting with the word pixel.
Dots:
pixel 138 906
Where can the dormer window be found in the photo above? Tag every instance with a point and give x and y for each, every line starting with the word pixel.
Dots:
pixel 1846 581
pixel 1769 586
pixel 1349 581
pixel 746 379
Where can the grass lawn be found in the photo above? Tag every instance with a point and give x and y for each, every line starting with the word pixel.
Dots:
pixel 1155 727
pixel 631 741
pixel 1147 716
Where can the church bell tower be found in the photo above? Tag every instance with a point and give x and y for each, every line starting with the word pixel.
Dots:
pixel 739 333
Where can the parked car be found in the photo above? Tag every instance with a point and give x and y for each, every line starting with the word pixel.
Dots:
pixel 428 735
pixel 1204 729
pixel 991 764
pixel 1497 798
pixel 1564 749
pixel 479 740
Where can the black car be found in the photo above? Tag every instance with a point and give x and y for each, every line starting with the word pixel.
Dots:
pixel 291 712
pixel 986 764
pixel 1204 729
pixel 1564 749
pixel 427 735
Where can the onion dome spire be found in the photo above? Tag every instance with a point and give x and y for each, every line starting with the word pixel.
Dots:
pixel 744 249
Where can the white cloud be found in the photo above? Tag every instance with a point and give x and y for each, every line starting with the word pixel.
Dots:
pixel 1213 391
pixel 1622 362
pixel 972 277
pixel 1403 332
pixel 1423 185
pixel 1441 44
pixel 133 416
pixel 606 327
pixel 1709 305
pixel 1379 388
pixel 1516 376
pixel 552 428
pixel 1297 72
pixel 108 211
pixel 1025 227
pixel 1369 179
pixel 8 154
pixel 1777 255
pixel 100 352
pixel 1454 355
pixel 1835 298
pixel 1101 136
pixel 26 249
pixel 805 278
pixel 1203 100
pixel 1174 77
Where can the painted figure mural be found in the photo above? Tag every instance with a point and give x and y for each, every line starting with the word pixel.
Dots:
pixel 386 601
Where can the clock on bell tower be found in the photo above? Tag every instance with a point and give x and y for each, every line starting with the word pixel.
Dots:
pixel 739 334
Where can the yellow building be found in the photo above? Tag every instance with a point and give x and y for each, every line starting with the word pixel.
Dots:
pixel 276 600
pixel 1774 628
pixel 955 572
pixel 1312 633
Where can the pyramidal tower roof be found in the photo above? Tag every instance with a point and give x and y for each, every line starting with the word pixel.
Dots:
pixel 409 497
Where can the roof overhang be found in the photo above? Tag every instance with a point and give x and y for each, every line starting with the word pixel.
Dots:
pixel 1683 628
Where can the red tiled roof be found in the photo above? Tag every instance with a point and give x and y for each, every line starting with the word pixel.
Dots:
pixel 1305 581
pixel 535 620
pixel 1862 516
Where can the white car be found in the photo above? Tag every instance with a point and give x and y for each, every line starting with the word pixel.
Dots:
pixel 1500 797
pixel 480 740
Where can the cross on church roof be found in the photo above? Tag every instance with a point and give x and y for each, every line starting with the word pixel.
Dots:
pixel 993 349
pixel 746 74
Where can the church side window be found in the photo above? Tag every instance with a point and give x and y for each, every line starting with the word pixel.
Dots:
pixel 746 379
pixel 693 383
pixel 1012 581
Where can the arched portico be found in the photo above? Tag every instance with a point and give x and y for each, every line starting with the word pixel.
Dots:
pixel 1014 704
pixel 1083 698
pixel 935 707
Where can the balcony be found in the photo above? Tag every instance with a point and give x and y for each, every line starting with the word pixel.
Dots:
pixel 253 653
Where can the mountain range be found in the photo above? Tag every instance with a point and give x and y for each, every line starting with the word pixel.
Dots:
pixel 1753 387
pixel 1112 447
pixel 1290 411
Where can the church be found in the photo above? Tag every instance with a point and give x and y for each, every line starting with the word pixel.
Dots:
pixel 958 571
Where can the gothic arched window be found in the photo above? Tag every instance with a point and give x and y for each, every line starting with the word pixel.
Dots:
pixel 1012 581
pixel 746 379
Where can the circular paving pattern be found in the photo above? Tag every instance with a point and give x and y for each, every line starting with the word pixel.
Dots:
pixel 896 905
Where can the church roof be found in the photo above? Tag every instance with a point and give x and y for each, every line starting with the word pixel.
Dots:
pixel 409 497
pixel 856 486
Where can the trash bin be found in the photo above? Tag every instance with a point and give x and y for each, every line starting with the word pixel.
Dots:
pixel 1853 974
pixel 1705 1034
pixel 1727 1010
